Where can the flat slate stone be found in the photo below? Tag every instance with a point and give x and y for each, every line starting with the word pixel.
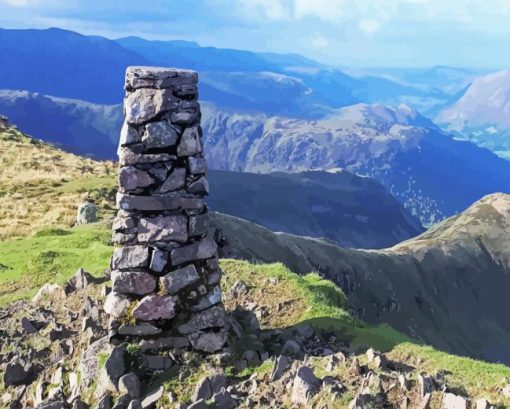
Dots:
pixel 199 250
pixel 141 329
pixel 131 178
pixel 197 165
pixel 159 134
pixel 163 228
pixel 199 224
pixel 208 300
pixel 159 260
pixel 190 143
pixel 200 186
pixel 213 317
pixel 128 157
pixel 175 180
pixel 163 343
pixel 144 104
pixel 128 135
pixel 159 77
pixel 208 341
pixel 157 203
pixel 155 307
pixel 176 280
pixel 133 282
pixel 129 257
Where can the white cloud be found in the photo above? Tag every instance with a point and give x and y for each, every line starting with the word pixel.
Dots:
pixel 319 42
pixel 324 9
pixel 369 26
pixel 272 9
pixel 20 3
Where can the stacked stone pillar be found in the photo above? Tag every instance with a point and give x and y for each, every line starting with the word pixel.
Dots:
pixel 165 273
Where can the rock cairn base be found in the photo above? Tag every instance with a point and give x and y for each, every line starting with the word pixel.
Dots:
pixel 165 272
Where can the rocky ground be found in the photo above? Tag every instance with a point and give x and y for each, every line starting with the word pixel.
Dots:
pixel 55 354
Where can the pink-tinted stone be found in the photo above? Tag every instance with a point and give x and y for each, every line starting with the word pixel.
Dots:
pixel 155 307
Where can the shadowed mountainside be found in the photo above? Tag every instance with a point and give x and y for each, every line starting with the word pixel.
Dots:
pixel 447 287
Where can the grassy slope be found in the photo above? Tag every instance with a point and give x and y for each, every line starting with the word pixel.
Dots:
pixel 41 186
pixel 54 254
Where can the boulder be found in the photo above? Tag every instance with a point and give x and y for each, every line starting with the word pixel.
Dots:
pixel 89 367
pixel 87 213
pixel 305 385
pixel 184 118
pixel 133 282
pixel 155 77
pixel 155 307
pixel 238 289
pixel 176 280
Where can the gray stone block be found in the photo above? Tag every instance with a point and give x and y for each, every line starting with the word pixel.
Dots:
pixel 176 280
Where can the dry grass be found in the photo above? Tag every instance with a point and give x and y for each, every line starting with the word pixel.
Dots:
pixel 41 185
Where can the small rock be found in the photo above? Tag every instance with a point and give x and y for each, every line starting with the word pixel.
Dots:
pixel 28 327
pixel 135 404
pixel 116 304
pixel 334 361
pixel 223 400
pixel 152 397
pixel 208 341
pixel 238 289
pixel 281 364
pixel 291 348
pixel 305 385
pixel 451 401
pixel 105 402
pixel 87 213
pixel 113 369
pixel 426 384
pixel 425 402
pixel 47 290
pixel 157 362
pixel 483 404
pixel 355 368
pixel 78 282
pixel 129 384
pixel 203 390
pixel 17 374
pixel 79 404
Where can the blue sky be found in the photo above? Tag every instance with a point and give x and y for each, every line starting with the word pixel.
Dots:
pixel 356 33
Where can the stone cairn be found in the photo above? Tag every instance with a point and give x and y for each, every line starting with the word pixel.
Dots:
pixel 165 272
